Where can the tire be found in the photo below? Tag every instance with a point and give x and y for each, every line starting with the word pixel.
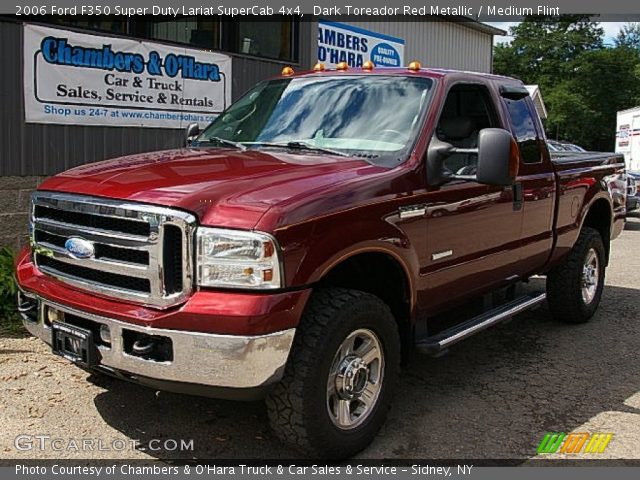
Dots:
pixel 566 283
pixel 302 411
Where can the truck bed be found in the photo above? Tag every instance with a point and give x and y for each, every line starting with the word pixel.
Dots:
pixel 580 178
pixel 572 159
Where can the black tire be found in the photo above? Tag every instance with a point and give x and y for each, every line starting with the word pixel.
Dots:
pixel 298 406
pixel 565 282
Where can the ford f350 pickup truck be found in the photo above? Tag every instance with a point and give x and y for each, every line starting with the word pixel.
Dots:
pixel 302 243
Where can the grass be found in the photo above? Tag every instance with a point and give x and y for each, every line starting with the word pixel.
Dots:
pixel 12 327
pixel 10 323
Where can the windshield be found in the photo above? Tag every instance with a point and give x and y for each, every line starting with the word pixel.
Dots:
pixel 373 117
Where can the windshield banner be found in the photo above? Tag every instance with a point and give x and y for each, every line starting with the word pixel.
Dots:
pixel 81 79
pixel 338 43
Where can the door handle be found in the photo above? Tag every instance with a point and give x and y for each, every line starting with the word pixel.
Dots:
pixel 517 196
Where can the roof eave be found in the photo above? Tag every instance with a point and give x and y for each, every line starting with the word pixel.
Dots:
pixel 477 25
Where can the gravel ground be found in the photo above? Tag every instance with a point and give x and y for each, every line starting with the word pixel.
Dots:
pixel 493 396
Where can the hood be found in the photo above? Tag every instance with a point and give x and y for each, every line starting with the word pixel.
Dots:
pixel 223 187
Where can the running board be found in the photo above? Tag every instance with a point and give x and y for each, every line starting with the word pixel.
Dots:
pixel 438 343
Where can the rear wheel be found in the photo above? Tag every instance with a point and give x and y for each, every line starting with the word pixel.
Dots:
pixel 337 387
pixel 574 288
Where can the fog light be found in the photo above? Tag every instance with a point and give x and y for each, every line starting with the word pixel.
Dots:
pixel 54 315
pixel 105 334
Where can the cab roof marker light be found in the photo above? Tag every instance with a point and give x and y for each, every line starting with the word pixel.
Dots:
pixel 342 66
pixel 319 67
pixel 286 71
pixel 414 66
pixel 368 65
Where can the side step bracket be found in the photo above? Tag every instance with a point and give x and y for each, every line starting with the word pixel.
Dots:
pixel 438 343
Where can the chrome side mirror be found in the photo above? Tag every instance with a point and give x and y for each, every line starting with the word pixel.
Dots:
pixel 192 131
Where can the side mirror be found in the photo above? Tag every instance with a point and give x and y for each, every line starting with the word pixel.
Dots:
pixel 437 153
pixel 498 158
pixel 192 131
pixel 497 153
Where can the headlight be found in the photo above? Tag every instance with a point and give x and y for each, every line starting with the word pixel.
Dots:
pixel 239 259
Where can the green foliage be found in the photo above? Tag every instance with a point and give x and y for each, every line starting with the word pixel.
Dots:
pixel 568 104
pixel 543 49
pixel 582 81
pixel 629 36
pixel 608 84
pixel 9 318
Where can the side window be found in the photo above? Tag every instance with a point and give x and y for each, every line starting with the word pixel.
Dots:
pixel 525 130
pixel 467 110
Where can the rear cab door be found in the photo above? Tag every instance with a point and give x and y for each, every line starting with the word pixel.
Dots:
pixel 535 187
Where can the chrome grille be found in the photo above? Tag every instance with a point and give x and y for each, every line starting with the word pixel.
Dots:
pixel 142 253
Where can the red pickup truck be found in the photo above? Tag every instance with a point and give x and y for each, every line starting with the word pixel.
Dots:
pixel 301 245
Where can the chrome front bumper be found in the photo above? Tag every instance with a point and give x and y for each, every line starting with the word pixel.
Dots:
pixel 227 361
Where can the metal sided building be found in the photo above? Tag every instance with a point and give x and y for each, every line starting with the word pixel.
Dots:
pixel 75 90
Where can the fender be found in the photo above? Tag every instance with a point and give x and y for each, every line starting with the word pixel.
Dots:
pixel 374 247
pixel 585 211
pixel 597 190
pixel 325 245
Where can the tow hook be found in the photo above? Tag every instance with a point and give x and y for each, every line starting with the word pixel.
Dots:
pixel 142 346
pixel 155 348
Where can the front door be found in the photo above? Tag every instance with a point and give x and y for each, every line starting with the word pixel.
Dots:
pixel 473 230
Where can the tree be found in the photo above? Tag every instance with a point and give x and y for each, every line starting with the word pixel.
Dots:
pixel 583 82
pixel 564 118
pixel 583 108
pixel 629 36
pixel 606 79
pixel 543 49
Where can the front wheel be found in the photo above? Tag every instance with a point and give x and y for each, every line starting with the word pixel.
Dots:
pixel 574 288
pixel 339 379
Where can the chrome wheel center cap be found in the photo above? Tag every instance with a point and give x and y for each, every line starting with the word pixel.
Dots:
pixel 352 377
pixel 589 275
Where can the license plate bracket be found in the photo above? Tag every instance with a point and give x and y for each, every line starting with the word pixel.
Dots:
pixel 73 343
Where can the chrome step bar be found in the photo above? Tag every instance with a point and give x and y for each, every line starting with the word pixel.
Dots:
pixel 438 343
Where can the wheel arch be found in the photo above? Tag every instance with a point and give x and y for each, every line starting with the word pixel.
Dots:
pixel 599 216
pixel 382 273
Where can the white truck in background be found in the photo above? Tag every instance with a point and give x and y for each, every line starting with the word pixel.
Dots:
pixel 628 137
pixel 628 143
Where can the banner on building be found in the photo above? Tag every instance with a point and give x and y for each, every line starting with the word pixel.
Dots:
pixel 83 79
pixel 339 42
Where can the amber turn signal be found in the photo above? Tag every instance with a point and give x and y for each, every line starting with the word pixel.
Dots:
pixel 415 66
pixel 319 67
pixel 514 159
pixel 286 71
pixel 342 66
pixel 368 65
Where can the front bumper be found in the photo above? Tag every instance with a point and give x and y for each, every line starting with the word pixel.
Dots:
pixel 199 359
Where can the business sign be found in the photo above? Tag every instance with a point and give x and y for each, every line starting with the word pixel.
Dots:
pixel 623 135
pixel 83 79
pixel 338 42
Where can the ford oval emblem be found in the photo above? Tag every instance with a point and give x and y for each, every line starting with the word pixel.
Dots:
pixel 79 247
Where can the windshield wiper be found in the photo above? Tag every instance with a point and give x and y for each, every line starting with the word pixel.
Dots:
pixel 297 145
pixel 313 148
pixel 223 141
